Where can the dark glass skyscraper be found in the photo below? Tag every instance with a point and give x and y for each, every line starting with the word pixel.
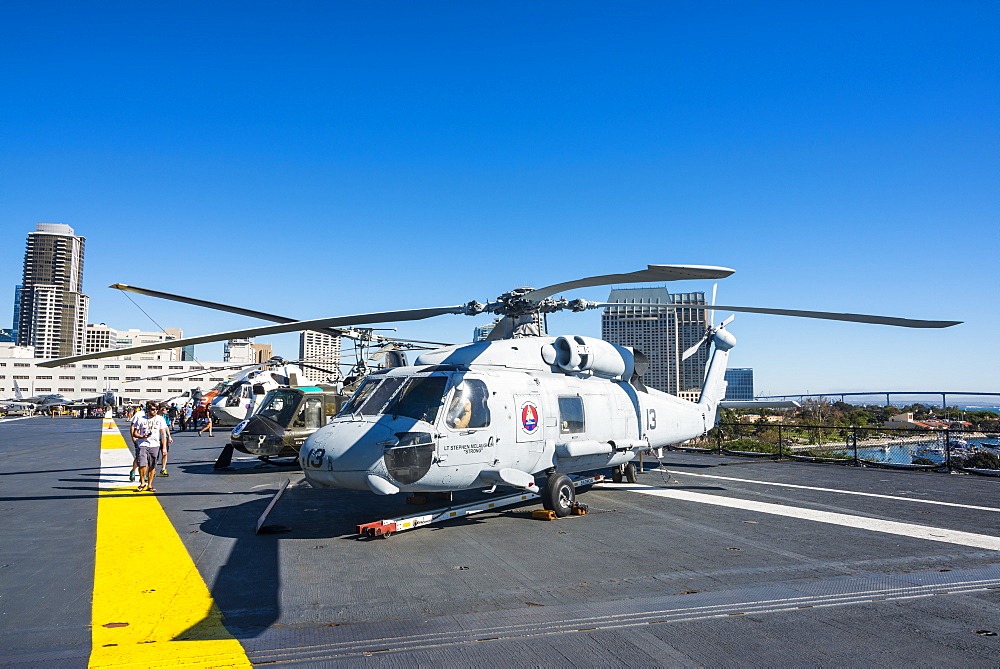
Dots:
pixel 17 310
pixel 740 384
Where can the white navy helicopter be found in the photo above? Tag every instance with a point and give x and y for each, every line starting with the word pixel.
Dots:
pixel 519 405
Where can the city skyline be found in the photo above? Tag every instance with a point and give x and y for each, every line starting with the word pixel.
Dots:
pixel 840 160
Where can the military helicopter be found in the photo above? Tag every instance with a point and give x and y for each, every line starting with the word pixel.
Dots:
pixel 521 404
pixel 237 398
pixel 286 416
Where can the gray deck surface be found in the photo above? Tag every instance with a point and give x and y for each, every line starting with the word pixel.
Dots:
pixel 640 581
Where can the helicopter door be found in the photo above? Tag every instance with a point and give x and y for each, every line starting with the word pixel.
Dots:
pixel 528 420
pixel 467 433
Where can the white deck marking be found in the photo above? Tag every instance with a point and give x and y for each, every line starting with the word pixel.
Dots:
pixel 860 522
pixel 842 492
pixel 116 463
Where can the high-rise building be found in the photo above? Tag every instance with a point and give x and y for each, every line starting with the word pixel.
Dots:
pixel 323 350
pixel 740 380
pixel 662 334
pixel 52 314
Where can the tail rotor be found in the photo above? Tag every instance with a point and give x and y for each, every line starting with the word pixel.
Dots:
pixel 711 331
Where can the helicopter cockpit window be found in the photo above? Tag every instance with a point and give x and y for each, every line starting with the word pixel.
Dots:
pixel 420 398
pixel 368 386
pixel 279 406
pixel 234 393
pixel 311 413
pixel 468 408
pixel 571 419
pixel 381 395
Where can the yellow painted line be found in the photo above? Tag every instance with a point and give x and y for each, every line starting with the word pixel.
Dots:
pixel 151 607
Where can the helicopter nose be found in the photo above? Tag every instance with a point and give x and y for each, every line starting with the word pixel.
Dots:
pixel 343 455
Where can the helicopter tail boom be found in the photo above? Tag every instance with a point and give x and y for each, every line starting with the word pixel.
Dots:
pixel 714 389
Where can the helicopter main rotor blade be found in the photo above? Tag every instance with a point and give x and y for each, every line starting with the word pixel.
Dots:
pixel 827 315
pixel 651 273
pixel 264 316
pixel 316 323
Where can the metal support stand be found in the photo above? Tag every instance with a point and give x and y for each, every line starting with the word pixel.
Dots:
pixel 386 528
pixel 274 500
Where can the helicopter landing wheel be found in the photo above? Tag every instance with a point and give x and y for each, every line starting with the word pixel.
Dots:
pixel 616 474
pixel 630 473
pixel 559 495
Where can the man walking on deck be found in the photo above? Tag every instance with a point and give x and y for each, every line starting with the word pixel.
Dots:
pixel 150 435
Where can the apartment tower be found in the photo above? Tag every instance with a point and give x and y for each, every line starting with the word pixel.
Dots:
pixel 52 314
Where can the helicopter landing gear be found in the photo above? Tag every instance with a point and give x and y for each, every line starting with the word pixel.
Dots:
pixel 559 495
pixel 626 472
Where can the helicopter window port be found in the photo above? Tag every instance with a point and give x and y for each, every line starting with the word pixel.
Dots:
pixel 410 459
pixel 420 398
pixel 571 420
pixel 234 393
pixel 311 414
pixel 468 408
pixel 279 406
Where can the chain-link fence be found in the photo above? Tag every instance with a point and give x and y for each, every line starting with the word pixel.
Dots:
pixel 940 450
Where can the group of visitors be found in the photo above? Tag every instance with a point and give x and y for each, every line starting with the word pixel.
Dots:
pixel 151 427
pixel 150 434
pixel 188 416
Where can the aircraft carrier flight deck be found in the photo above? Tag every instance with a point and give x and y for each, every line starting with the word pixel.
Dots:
pixel 710 560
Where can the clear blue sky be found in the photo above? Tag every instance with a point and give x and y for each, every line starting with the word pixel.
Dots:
pixel 329 158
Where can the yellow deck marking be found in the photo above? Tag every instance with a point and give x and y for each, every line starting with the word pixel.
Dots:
pixel 145 578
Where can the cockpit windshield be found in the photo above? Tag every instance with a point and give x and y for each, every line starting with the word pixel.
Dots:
pixel 279 406
pixel 372 396
pixel 421 398
pixel 367 387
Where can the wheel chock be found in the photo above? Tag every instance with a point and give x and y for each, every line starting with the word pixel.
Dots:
pixel 543 514
pixel 579 509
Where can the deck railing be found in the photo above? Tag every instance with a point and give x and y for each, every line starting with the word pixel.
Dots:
pixel 923 449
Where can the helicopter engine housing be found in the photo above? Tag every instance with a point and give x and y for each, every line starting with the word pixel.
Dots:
pixel 575 354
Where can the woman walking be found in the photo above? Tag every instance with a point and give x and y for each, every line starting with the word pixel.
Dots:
pixel 208 424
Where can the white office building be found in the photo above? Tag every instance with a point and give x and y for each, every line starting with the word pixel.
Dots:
pixel 132 380
pixel 322 350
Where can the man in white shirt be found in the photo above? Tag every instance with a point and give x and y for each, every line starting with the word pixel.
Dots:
pixel 149 434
